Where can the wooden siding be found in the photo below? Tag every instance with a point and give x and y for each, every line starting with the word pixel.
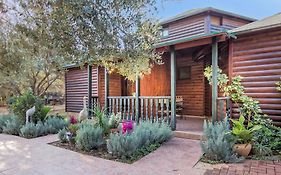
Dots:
pixel 158 82
pixel 220 23
pixel 185 28
pixel 114 85
pixel 257 58
pixel 192 90
pixel 76 87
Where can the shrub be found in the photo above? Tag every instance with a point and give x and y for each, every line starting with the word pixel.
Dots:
pixel 54 124
pixel 41 129
pixel 218 145
pixel 3 120
pixel 122 146
pixel 12 126
pixel 114 120
pixel 143 136
pixel 29 131
pixel 25 102
pixel 62 135
pixel 151 133
pixel 102 119
pixel 89 137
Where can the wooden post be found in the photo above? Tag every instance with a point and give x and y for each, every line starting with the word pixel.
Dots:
pixel 173 89
pixel 214 78
pixel 106 90
pixel 137 106
pixel 90 100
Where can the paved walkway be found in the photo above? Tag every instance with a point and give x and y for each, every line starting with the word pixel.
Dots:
pixel 249 167
pixel 19 156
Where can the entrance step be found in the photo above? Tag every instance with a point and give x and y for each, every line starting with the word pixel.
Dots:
pixel 188 135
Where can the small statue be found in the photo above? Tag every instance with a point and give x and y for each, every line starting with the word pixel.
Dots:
pixel 84 112
pixel 29 113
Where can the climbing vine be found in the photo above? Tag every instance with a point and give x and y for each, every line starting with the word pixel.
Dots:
pixel 278 85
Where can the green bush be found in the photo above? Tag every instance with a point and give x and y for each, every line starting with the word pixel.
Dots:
pixel 25 102
pixel 28 131
pixel 3 120
pixel 89 137
pixel 54 124
pixel 144 135
pixel 102 120
pixel 114 120
pixel 62 135
pixel 218 145
pixel 122 146
pixel 12 126
pixel 41 129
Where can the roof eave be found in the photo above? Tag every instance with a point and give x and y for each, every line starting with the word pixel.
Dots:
pixel 256 29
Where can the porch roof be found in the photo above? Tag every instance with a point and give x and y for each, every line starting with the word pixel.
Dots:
pixel 193 41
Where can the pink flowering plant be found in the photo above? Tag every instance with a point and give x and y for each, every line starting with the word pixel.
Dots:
pixel 127 126
pixel 73 120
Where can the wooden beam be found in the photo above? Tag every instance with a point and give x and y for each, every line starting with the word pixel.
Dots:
pixel 106 89
pixel 90 95
pixel 137 106
pixel 214 78
pixel 173 88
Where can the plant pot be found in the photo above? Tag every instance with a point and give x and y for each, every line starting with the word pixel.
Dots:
pixel 243 149
pixel 114 130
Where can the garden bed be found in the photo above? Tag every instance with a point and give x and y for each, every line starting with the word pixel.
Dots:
pixel 102 152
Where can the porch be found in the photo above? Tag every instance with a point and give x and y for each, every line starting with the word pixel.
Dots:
pixel 155 97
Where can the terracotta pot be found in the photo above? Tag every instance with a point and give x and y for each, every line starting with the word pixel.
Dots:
pixel 243 149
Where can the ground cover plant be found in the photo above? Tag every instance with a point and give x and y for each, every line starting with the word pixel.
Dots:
pixel 41 123
pixel 253 127
pixel 91 137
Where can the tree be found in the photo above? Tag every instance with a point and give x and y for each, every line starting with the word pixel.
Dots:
pixel 28 60
pixel 117 34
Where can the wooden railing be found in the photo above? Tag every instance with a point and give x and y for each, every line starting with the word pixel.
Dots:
pixel 224 108
pixel 153 108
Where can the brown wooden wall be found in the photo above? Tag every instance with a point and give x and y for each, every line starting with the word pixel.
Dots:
pixel 158 82
pixel 185 28
pixel 114 85
pixel 76 87
pixel 192 90
pixel 257 57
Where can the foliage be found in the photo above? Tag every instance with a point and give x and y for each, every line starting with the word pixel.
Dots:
pixel 222 78
pixel 261 150
pixel 55 124
pixel 41 129
pixel 29 131
pixel 45 110
pixel 73 120
pixel 244 134
pixel 25 102
pixel 278 85
pixel 114 120
pixel 218 145
pixel 99 113
pixel 62 135
pixel 141 152
pixel 12 126
pixel 143 135
pixel 122 145
pixel 89 137
pixel 3 120
pixel 73 128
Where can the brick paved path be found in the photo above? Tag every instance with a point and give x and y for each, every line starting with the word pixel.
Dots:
pixel 249 167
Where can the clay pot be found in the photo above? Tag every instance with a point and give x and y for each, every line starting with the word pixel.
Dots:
pixel 243 149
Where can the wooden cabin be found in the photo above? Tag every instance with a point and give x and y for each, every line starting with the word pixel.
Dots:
pixel 190 42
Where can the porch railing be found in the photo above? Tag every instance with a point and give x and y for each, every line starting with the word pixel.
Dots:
pixel 224 108
pixel 152 108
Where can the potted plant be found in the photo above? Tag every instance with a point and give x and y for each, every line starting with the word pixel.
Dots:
pixel 244 135
pixel 114 122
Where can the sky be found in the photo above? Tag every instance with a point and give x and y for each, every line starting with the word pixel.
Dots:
pixel 257 9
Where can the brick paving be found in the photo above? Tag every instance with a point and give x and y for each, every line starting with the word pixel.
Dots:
pixel 249 167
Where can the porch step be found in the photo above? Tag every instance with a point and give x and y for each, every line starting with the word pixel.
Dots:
pixel 188 135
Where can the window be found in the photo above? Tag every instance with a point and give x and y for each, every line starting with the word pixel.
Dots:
pixel 184 73
pixel 165 33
